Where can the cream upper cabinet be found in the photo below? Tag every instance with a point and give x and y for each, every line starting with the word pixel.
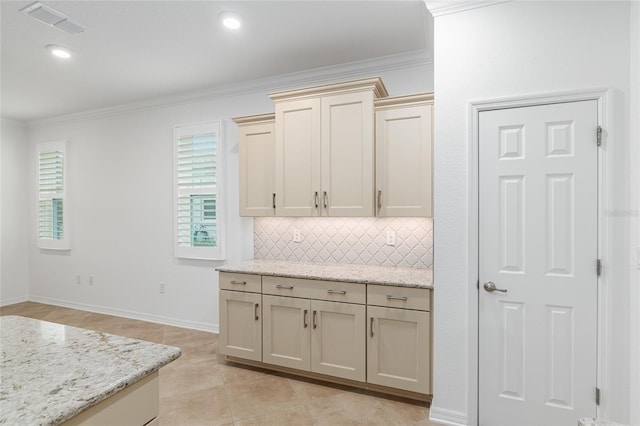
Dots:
pixel 325 149
pixel 257 165
pixel 404 156
pixel 297 161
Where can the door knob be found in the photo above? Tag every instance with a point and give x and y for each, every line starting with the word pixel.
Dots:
pixel 490 287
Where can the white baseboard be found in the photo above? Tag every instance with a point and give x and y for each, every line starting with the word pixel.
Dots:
pixel 447 417
pixel 13 300
pixel 193 325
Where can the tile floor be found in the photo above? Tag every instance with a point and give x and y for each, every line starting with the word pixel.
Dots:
pixel 198 389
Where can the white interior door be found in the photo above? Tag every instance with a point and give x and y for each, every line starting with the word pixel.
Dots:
pixel 538 177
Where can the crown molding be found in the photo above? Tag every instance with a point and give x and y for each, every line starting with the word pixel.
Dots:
pixel 440 7
pixel 317 76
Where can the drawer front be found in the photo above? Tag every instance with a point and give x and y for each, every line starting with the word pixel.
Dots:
pixel 240 282
pixel 399 297
pixel 334 291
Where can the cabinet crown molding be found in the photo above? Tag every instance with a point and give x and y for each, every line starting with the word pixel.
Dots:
pixel 407 100
pixel 375 84
pixel 254 119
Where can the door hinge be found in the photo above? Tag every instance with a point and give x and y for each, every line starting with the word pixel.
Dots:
pixel 599 267
pixel 599 135
pixel 597 396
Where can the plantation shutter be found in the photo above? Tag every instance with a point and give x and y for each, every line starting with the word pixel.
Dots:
pixel 197 196
pixel 53 222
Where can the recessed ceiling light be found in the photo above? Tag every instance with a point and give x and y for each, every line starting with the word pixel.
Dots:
pixel 59 51
pixel 231 20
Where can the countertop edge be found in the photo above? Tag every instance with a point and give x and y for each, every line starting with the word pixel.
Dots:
pixel 347 273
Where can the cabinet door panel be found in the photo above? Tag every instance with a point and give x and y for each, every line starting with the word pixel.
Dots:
pixel 404 161
pixel 257 169
pixel 348 154
pixel 337 340
pixel 398 348
pixel 297 157
pixel 241 325
pixel 286 332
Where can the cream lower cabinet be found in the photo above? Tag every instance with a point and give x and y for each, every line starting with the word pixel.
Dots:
pixel 398 338
pixel 374 336
pixel 312 335
pixel 241 316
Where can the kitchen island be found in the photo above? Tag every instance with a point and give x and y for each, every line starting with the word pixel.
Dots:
pixel 54 374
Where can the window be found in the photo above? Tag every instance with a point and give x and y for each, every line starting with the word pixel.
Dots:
pixel 198 218
pixel 53 202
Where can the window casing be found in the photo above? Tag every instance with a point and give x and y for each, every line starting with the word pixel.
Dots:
pixel 53 199
pixel 198 211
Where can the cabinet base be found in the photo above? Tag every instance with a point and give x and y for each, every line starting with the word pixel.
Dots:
pixel 322 377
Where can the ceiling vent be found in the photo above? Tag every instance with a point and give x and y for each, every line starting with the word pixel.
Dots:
pixel 52 17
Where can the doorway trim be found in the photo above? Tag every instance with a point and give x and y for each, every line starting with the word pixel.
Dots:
pixel 603 98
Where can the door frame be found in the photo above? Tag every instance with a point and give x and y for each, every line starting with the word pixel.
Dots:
pixel 603 98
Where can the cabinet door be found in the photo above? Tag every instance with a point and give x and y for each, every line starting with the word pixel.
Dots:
pixel 398 350
pixel 241 325
pixel 298 158
pixel 337 339
pixel 257 169
pixel 404 161
pixel 286 337
pixel 348 154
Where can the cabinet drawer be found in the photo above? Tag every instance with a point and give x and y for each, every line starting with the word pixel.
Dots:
pixel 335 291
pixel 240 282
pixel 399 297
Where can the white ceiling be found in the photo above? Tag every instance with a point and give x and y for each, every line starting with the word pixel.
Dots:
pixel 140 50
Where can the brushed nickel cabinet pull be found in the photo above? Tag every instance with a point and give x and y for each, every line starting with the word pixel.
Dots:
pixel 315 197
pixel 306 318
pixel 284 287
pixel 390 297
pixel 273 200
pixel 336 291
pixel 239 282
pixel 325 200
pixel 256 311
pixel 379 200
pixel 371 327
pixel 315 319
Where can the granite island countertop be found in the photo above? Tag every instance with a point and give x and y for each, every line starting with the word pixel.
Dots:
pixel 363 274
pixel 51 372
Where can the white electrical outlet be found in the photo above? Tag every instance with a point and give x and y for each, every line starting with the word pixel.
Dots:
pixel 163 287
pixel 296 236
pixel 391 238
pixel 90 279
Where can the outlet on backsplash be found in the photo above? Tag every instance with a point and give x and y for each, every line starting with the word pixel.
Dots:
pixel 405 242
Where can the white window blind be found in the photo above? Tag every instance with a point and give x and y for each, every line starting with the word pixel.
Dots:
pixel 198 219
pixel 53 211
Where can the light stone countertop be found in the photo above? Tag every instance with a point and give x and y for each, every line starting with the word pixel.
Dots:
pixel 363 274
pixel 51 372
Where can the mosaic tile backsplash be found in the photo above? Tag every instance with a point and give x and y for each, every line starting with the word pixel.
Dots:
pixel 346 240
